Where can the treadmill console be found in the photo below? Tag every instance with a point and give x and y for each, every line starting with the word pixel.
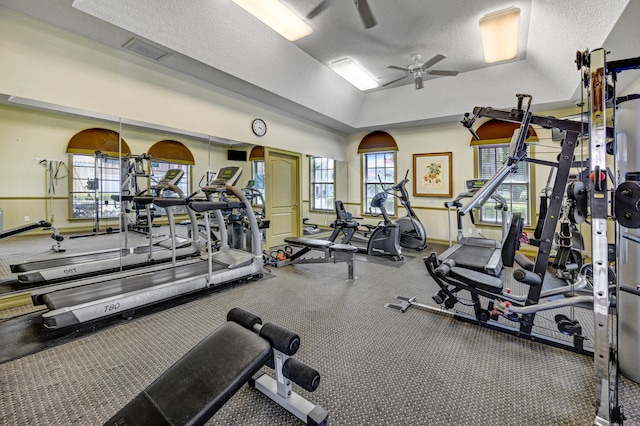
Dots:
pixel 473 185
pixel 170 178
pixel 225 176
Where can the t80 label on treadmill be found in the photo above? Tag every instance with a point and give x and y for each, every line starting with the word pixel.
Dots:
pixel 111 307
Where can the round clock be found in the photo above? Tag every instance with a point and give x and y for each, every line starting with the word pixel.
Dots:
pixel 259 127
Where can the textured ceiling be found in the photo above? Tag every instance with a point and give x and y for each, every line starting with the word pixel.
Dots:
pixel 218 42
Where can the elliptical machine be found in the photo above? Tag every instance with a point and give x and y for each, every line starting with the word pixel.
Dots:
pixel 412 232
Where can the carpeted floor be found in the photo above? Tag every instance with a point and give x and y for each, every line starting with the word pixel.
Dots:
pixel 378 366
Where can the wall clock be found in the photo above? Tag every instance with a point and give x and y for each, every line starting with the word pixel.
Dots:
pixel 259 127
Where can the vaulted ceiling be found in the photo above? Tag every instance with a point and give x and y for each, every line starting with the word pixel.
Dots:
pixel 220 43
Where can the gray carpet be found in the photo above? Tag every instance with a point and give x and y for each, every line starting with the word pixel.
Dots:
pixel 378 366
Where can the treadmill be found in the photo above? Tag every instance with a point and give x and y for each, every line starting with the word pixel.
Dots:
pixel 123 296
pixel 479 254
pixel 108 261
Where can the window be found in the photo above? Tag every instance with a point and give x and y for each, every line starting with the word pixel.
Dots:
pixel 515 189
pixel 258 180
pixel 378 167
pixel 94 180
pixel 322 183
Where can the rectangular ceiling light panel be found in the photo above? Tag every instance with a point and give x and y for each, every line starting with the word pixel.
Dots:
pixel 354 74
pixel 499 32
pixel 277 16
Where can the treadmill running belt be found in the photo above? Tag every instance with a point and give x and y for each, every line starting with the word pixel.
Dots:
pixel 74 260
pixel 472 257
pixel 88 293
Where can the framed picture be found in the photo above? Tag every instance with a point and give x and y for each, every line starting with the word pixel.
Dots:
pixel 432 175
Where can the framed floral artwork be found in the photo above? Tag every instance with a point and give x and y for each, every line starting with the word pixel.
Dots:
pixel 432 175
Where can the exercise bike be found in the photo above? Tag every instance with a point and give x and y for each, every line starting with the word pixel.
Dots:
pixel 385 236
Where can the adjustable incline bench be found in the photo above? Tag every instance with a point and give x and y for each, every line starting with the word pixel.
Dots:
pixel 202 381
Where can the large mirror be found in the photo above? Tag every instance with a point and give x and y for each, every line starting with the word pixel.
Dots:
pixel 92 179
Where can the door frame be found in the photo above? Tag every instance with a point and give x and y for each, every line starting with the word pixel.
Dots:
pixel 272 186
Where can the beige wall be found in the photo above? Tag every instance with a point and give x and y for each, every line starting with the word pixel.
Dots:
pixel 26 136
pixel 46 64
pixel 49 65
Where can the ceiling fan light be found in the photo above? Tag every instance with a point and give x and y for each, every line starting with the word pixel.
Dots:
pixel 354 74
pixel 277 16
pixel 499 32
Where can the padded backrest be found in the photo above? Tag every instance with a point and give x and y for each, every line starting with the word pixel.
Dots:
pixel 511 241
pixel 341 212
pixel 198 385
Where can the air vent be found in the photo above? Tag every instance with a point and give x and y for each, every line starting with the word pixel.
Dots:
pixel 145 49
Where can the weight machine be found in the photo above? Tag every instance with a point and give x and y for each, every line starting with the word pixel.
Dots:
pixel 522 310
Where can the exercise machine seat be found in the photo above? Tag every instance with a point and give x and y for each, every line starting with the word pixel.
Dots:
pixel 477 279
pixel 201 382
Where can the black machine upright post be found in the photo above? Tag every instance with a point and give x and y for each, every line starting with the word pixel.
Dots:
pixel 565 162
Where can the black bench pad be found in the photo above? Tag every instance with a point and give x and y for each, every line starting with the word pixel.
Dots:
pixel 311 242
pixel 476 279
pixel 201 382
pixel 344 248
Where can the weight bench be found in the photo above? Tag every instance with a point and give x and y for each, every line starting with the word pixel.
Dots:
pixel 202 381
pixel 332 253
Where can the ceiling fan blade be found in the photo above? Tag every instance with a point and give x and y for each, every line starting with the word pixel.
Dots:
pixel 393 67
pixel 366 15
pixel 418 81
pixel 320 8
pixel 431 62
pixel 442 72
pixel 393 81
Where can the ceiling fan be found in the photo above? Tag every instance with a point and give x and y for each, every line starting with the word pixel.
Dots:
pixel 368 20
pixel 418 69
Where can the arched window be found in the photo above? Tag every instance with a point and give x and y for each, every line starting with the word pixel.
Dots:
pixel 170 154
pixel 95 172
pixel 378 151
pixel 492 147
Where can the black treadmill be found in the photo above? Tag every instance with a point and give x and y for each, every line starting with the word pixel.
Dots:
pixel 122 296
pixel 478 254
pixel 108 261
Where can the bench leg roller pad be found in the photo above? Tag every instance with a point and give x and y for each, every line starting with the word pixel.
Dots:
pixel 309 413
